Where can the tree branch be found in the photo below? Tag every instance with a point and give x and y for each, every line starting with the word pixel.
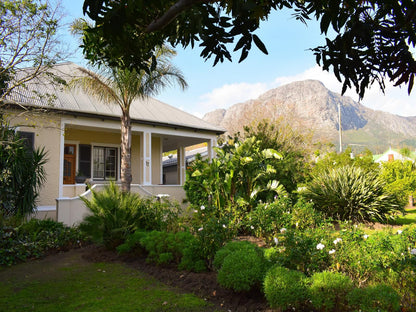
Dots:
pixel 171 13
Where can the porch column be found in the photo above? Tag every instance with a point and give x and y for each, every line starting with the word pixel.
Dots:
pixel 210 145
pixel 61 160
pixel 147 158
pixel 181 165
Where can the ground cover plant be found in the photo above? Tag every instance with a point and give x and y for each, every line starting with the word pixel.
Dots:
pixel 35 239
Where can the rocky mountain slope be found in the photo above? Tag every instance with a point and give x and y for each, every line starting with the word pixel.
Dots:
pixel 309 106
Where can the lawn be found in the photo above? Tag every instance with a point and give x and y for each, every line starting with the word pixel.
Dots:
pixel 409 217
pixel 66 282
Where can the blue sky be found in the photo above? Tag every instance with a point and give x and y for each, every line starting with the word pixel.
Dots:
pixel 288 42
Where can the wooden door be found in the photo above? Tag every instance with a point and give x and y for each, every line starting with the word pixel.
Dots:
pixel 69 163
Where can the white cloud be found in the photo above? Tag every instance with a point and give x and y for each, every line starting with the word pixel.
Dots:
pixel 230 94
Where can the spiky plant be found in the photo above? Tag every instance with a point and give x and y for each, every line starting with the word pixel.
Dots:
pixel 116 214
pixel 351 193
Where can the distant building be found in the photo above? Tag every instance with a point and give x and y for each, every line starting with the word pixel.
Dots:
pixel 391 155
pixel 170 164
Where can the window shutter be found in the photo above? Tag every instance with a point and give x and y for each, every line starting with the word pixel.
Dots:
pixel 84 160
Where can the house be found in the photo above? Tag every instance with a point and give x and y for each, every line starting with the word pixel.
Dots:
pixel 391 155
pixel 170 163
pixel 82 137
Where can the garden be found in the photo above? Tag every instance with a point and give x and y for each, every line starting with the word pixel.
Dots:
pixel 304 231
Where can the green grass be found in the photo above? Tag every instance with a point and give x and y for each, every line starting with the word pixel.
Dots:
pixel 88 287
pixel 408 218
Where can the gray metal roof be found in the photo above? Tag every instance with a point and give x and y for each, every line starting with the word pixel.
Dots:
pixel 64 99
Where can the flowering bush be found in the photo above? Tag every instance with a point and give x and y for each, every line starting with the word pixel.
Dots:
pixel 305 251
pixel 266 220
pixel 285 288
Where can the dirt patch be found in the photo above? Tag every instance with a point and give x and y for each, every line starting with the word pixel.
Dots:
pixel 203 285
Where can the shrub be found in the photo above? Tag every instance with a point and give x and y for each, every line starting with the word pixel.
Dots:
pixel 212 233
pixel 229 249
pixel 377 298
pixel 305 216
pixel 165 248
pixel 328 291
pixel 243 269
pixel 34 239
pixel 266 220
pixel 21 173
pixel 306 251
pixel 117 214
pixel 351 193
pixel 285 288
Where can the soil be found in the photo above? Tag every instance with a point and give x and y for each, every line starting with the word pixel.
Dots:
pixel 203 285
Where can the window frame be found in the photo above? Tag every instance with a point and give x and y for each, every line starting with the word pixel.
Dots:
pixel 117 168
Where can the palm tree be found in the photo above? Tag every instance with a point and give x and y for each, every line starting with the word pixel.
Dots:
pixel 122 86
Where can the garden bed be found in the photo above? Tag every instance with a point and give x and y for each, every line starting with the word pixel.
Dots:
pixel 203 285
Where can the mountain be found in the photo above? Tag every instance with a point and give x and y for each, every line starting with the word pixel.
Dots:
pixel 309 106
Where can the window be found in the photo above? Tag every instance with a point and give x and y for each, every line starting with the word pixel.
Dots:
pixel 29 139
pixel 104 163
pixel 84 160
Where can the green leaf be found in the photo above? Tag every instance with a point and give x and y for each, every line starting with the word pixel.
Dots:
pixel 260 44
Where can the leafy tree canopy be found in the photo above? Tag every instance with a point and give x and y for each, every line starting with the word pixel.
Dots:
pixel 373 39
pixel 28 38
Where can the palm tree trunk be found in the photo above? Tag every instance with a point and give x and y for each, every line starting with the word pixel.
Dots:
pixel 125 152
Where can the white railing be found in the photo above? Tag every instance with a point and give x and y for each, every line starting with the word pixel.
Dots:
pixel 71 211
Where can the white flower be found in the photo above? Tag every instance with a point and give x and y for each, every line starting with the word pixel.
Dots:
pixel 331 251
pixel 413 251
pixel 251 227
pixel 195 211
pixel 365 236
pixel 200 229
pixel 399 231
pixel 224 226
pixel 320 246
pixel 338 240
pixel 276 241
pixel 282 230
pixel 202 207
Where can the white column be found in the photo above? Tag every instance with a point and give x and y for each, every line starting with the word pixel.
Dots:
pixel 61 159
pixel 181 165
pixel 147 158
pixel 210 148
pixel 161 160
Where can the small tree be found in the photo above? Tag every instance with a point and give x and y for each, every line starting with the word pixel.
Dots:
pixel 21 173
pixel 28 38
pixel 121 86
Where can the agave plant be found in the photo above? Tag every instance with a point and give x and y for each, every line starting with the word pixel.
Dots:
pixel 351 193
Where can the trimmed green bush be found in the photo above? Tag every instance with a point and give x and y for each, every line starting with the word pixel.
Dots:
pixel 285 288
pixel 377 298
pixel 241 265
pixel 242 270
pixel 328 291
pixel 228 249
pixel 179 248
